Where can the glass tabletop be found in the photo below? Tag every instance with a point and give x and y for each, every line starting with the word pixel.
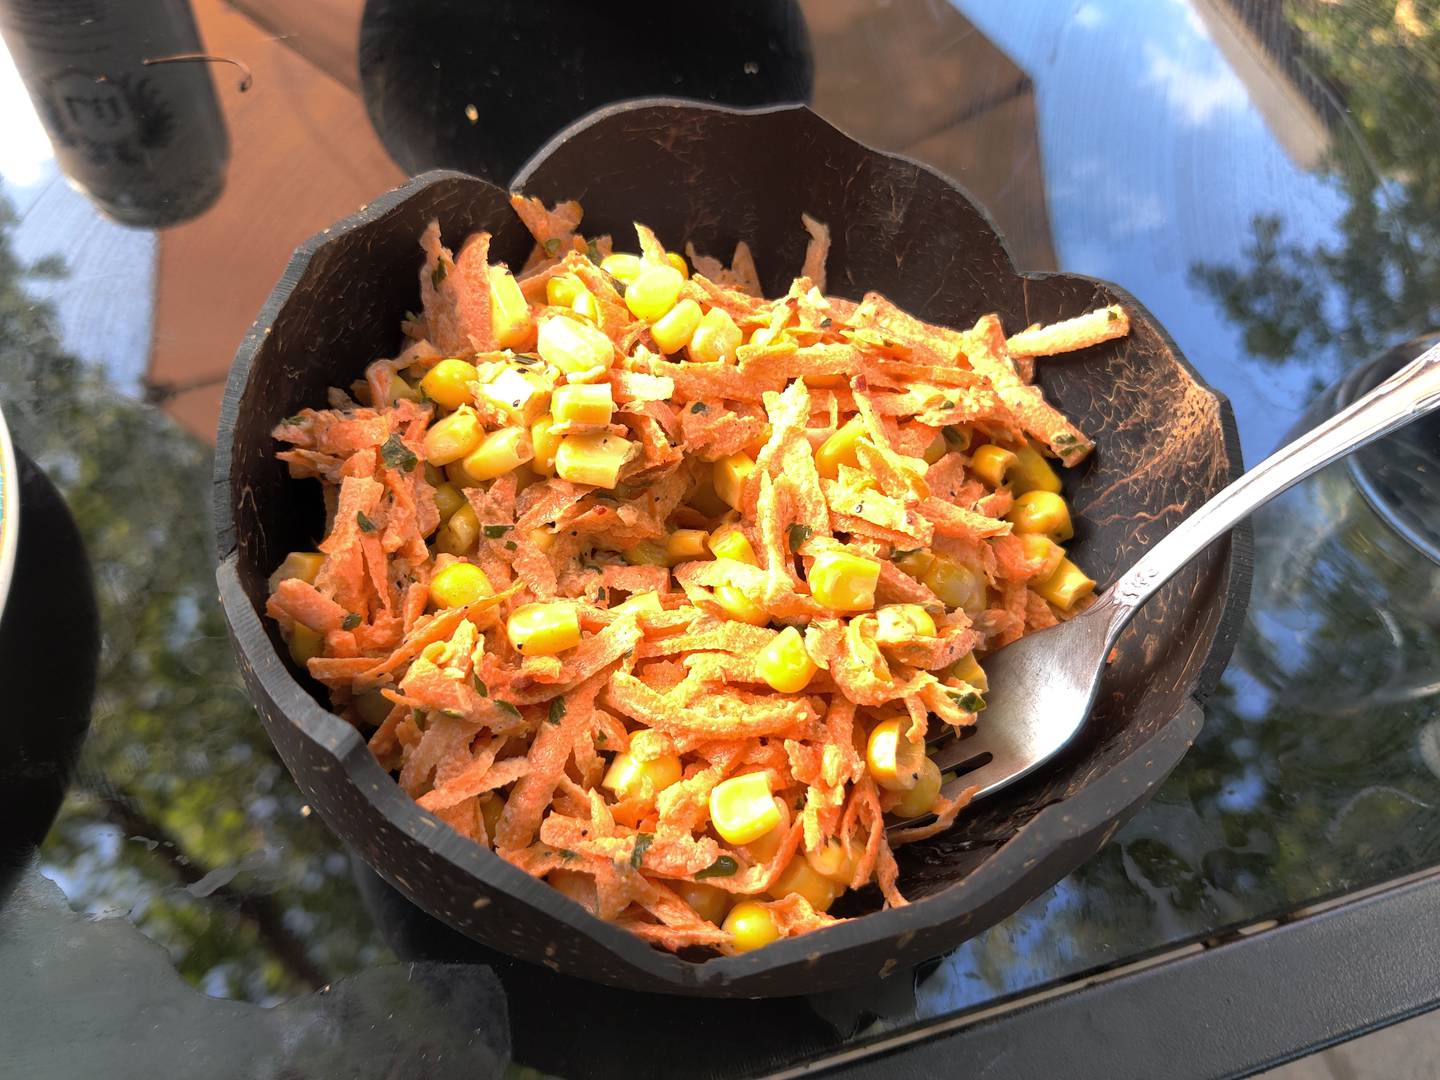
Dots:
pixel 1258 175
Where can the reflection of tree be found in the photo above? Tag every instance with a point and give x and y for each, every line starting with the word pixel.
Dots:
pixel 177 778
pixel 1380 280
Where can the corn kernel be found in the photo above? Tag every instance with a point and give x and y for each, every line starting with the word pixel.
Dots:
pixel 458 535
pixel 304 565
pixel 400 390
pixel 842 581
pixel 761 336
pixel 839 449
pixel 592 459
pixel 544 442
pixel 729 542
pixel 750 926
pixel 1068 584
pixel 729 476
pixel 899 623
pixel 675 259
pixel 763 849
pixel 458 584
pixel 372 707
pixel 785 664
pixel 715 339
pixel 562 289
pixel 630 778
pixel 709 902
pixel 544 629
pixel 491 807
pixel 893 760
pixel 574 886
pixel 447 500
pixel 646 553
pixel 435 476
pixel 742 808
pixel 836 861
pixel 510 321
pixel 448 382
pixel 645 603
pixel 992 464
pixel 305 643
pixel 521 397
pixel 653 292
pixel 572 346
pixel 920 799
pixel 916 563
pixel 968 670
pixel 673 332
pixel 587 307
pixel 937 449
pixel 686 545
pixel 704 499
pixel 1031 472
pixel 959 436
pixel 800 878
pixel 956 586
pixel 583 403
pixel 452 437
pixel 1042 512
pixel 740 607
pixel 1042 550
pixel 622 266
pixel 498 453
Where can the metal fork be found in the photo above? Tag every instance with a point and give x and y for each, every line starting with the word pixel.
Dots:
pixel 1042 686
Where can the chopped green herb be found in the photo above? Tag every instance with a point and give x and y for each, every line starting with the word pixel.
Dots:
pixel 366 525
pixel 526 358
pixel 1065 439
pixel 557 710
pixel 508 708
pixel 724 866
pixel 826 323
pixel 552 246
pixel 296 419
pixel 798 534
pixel 480 687
pixel 947 404
pixel 600 594
pixel 566 854
pixel 494 532
pixel 410 316
pixel 902 553
pixel 699 407
pixel 438 275
pixel 642 844
pixel 350 622
pixel 453 714
pixel 397 455
pixel 618 285
pixel 969 701
pixel 510 545
pixel 1112 316
pixel 601 738
pixel 592 252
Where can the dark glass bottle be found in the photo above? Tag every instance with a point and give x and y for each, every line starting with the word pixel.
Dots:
pixel 145 142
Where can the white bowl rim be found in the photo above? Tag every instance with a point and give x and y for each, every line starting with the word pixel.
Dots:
pixel 9 511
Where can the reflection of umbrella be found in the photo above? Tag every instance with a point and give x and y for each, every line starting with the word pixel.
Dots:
pixel 918 78
pixel 303 155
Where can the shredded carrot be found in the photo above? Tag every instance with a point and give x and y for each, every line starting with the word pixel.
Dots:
pixel 832 433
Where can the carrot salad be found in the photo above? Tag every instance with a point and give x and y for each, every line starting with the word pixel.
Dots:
pixel 658 588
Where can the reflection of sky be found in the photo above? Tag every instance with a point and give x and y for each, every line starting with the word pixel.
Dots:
pixel 106 302
pixel 1154 158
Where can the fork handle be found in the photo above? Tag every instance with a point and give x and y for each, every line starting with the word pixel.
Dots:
pixel 1410 393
